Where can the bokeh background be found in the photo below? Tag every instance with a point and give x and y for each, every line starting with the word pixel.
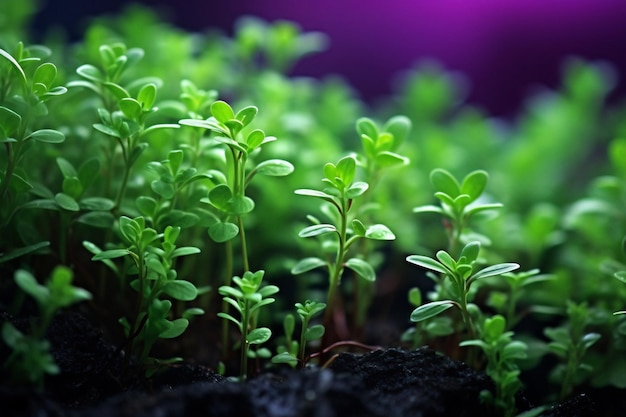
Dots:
pixel 505 49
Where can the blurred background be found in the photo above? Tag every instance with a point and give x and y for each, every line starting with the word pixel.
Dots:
pixel 504 49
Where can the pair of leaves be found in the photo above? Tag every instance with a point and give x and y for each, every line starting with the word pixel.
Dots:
pixel 379 146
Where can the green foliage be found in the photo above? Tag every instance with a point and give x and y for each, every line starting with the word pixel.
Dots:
pixel 30 359
pixel 345 230
pixel 248 296
pixel 152 259
pixel 570 343
pixel 502 353
pixel 293 351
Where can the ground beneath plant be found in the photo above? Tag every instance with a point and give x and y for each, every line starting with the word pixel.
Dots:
pixel 389 383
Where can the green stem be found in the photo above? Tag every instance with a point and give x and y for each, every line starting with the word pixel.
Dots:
pixel 335 277
pixel 302 345
pixel 244 340
pixel 225 305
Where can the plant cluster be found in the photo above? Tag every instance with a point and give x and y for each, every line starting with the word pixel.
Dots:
pixel 192 177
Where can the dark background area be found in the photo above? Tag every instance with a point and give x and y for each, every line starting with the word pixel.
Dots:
pixel 505 48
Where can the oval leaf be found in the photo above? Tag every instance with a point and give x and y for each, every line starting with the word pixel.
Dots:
pixel 181 290
pixel 362 268
pixel 429 310
pixel 307 264
pixel 275 168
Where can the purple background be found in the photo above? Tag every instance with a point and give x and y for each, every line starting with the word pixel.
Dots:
pixel 505 47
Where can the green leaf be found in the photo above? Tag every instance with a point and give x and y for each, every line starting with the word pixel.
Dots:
pixel 28 283
pixel 110 254
pixel 179 218
pixel 147 96
pixel 109 131
pixel 130 229
pixel 379 232
pixel 99 219
pixel 356 189
pixel 72 187
pixel 220 197
pixel 47 136
pixel 146 205
pixel 66 202
pixel 446 260
pixel 175 329
pixel 181 290
pixel 25 250
pixel 470 251
pixel 223 231
pixel 96 204
pixel 314 332
pixel 346 169
pixel 130 107
pixel 246 115
pixel 67 169
pixel 358 227
pixel 163 189
pixel 16 66
pixel 621 275
pixel 365 126
pixel 185 251
pixel 426 311
pixel 428 209
pixel 445 183
pixel 45 74
pixel 241 205
pixel 362 268
pixel 474 184
pixel 493 328
pixel 314 193
pixel 495 270
pixel 274 168
pixel 222 111
pixel 259 336
pixel 317 229
pixel 307 264
pixel 285 357
pixel 117 90
pixel 388 159
pixel 428 263
pixel 9 121
pixel 400 127
pixel 255 139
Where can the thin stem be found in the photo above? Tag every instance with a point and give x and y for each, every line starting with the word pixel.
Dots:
pixel 244 340
pixel 225 305
pixel 335 277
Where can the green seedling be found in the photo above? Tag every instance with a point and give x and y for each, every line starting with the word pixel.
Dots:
pixel 228 200
pixel 248 297
pixel 26 86
pixel 293 352
pixel 571 342
pixel 174 188
pixel 30 359
pixel 152 259
pixel 345 230
pixel 459 202
pixel 502 353
pixel 423 331
pixel 506 302
pixel 457 278
pixel 126 110
pixel 379 155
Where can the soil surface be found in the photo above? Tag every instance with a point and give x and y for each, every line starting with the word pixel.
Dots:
pixel 389 383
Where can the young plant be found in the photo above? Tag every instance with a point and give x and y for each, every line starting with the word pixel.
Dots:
pixel 422 331
pixel 228 200
pixel 124 117
pixel 379 154
pixel 26 85
pixel 502 353
pixel 571 342
pixel 293 352
pixel 459 203
pixel 152 257
pixel 30 359
pixel 248 297
pixel 345 230
pixel 457 277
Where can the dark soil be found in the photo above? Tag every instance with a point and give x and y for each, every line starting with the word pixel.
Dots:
pixel 389 383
